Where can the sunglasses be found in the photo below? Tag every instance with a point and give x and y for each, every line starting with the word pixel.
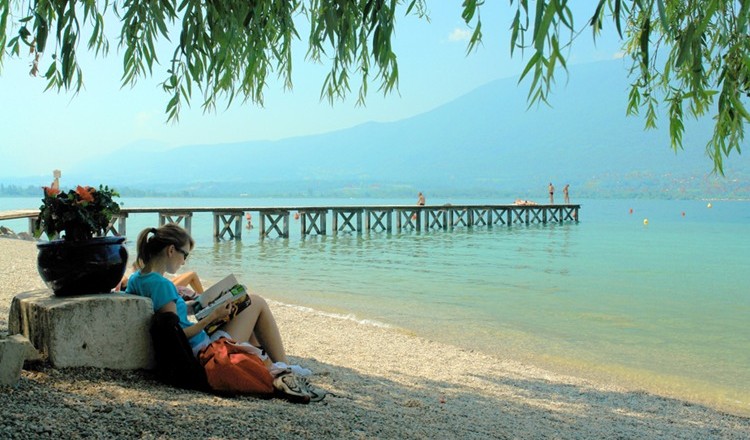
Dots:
pixel 184 254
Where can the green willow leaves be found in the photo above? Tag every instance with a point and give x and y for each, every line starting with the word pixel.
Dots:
pixel 222 48
pixel 689 57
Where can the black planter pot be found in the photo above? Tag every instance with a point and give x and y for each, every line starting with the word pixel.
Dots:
pixel 85 267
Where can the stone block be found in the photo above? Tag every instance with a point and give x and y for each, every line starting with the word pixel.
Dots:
pixel 14 350
pixel 108 330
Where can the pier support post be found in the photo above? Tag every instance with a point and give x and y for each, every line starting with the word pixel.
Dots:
pixel 536 215
pixel 517 214
pixel 183 219
pixel 347 215
pixel 118 230
pixel 435 218
pixel 274 216
pixel 408 217
pixel 497 216
pixel 554 215
pixel 317 219
pixel 481 216
pixel 223 224
pixel 569 213
pixel 378 215
pixel 460 216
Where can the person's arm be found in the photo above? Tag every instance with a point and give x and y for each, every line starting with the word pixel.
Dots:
pixel 190 306
pixel 219 313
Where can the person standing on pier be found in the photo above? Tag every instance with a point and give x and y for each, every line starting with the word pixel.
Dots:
pixel 56 183
pixel 551 194
pixel 565 193
pixel 420 202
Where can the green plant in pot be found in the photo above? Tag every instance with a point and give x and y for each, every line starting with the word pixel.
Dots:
pixel 83 260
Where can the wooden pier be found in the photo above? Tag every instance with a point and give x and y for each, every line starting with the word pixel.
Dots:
pixel 274 221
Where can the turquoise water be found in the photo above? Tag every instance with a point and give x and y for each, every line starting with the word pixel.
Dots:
pixel 663 306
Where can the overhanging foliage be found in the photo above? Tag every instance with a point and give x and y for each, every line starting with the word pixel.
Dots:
pixel 691 56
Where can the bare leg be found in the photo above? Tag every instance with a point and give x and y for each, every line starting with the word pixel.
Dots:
pixel 189 279
pixel 257 324
pixel 122 285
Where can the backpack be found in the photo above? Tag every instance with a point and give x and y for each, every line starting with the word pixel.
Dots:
pixel 232 370
pixel 175 363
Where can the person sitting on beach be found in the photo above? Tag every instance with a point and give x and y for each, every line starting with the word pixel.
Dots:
pixel 164 250
pixel 188 285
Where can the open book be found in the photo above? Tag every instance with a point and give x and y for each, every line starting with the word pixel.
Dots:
pixel 226 290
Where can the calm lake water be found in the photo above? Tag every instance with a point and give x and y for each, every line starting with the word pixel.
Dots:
pixel 663 306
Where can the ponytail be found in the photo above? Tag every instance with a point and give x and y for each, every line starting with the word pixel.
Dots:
pixel 149 246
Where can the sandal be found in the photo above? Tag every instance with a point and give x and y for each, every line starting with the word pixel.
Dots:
pixel 289 387
pixel 316 394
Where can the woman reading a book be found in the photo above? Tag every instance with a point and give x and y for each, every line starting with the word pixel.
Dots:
pixel 164 250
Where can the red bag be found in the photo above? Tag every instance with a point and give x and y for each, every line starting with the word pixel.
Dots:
pixel 232 370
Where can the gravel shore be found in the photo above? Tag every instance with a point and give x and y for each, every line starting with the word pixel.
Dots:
pixel 386 384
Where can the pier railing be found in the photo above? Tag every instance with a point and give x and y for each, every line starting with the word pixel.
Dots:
pixel 274 221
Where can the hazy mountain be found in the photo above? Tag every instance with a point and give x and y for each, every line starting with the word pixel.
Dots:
pixel 484 141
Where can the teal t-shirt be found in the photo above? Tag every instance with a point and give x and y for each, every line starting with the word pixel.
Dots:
pixel 162 292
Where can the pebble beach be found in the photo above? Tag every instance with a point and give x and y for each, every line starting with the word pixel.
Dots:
pixel 385 384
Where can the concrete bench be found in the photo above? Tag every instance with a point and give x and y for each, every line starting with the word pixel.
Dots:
pixel 109 330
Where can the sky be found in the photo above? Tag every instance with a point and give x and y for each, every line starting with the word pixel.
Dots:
pixel 41 131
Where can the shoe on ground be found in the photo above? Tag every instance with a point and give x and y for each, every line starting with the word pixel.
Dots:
pixel 290 388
